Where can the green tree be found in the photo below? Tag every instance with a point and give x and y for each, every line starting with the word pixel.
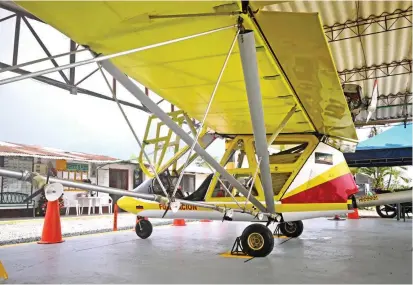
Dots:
pixel 386 178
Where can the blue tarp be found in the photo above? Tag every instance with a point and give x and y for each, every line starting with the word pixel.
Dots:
pixel 390 148
pixel 395 137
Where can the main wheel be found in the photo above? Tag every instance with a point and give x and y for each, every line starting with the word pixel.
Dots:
pixel 143 229
pixel 257 240
pixel 387 211
pixel 292 229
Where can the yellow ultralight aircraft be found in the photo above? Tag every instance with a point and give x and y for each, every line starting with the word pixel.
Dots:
pixel 263 80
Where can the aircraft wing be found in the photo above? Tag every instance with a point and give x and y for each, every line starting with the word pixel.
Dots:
pixel 294 60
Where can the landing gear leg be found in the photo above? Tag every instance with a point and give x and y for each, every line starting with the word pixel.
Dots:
pixel 143 228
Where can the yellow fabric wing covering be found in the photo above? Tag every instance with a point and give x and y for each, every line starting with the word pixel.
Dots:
pixel 184 73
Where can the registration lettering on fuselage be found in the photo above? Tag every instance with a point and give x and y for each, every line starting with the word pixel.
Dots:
pixel 182 208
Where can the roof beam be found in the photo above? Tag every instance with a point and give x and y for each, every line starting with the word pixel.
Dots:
pixel 12 7
pixel 387 100
pixel 68 87
pixel 383 122
pixel 395 105
pixel 376 71
pixel 374 24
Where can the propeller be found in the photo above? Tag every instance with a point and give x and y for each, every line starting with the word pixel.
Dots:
pixel 373 104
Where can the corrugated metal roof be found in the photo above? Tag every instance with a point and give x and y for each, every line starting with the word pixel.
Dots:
pixel 379 47
pixel 16 149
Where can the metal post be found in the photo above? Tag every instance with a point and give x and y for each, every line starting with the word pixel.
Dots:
pixel 72 59
pixel 16 39
pixel 247 49
pixel 115 218
pixel 137 92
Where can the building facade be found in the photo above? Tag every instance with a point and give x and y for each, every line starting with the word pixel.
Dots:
pixel 98 169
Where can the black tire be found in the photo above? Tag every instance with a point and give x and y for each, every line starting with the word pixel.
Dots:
pixel 260 234
pixel 143 229
pixel 292 229
pixel 387 211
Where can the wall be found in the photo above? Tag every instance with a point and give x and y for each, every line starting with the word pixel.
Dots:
pixel 199 179
pixel 103 174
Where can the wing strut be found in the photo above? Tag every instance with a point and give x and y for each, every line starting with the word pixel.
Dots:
pixel 206 111
pixel 247 49
pixel 157 111
pixel 133 131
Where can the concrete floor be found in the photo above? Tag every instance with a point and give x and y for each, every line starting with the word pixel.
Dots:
pixel 350 251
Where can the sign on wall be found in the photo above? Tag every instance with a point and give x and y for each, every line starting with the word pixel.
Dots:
pixel 77 167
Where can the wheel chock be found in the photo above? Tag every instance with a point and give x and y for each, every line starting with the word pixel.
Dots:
pixel 236 250
pixel 238 255
pixel 3 273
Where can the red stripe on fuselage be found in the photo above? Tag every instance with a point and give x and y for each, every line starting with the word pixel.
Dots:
pixel 333 191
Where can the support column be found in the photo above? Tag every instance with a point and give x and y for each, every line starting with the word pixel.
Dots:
pixel 141 96
pixel 247 49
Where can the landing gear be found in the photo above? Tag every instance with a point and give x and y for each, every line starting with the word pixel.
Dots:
pixel 387 211
pixel 257 240
pixel 291 229
pixel 143 228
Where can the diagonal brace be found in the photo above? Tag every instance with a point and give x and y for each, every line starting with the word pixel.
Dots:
pixel 156 110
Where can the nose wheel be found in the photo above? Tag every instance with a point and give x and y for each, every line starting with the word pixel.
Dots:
pixel 143 228
pixel 291 229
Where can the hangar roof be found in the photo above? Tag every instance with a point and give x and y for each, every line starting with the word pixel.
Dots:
pixel 368 39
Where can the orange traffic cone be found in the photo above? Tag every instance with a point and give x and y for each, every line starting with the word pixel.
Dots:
pixel 354 215
pixel 52 232
pixel 205 221
pixel 179 222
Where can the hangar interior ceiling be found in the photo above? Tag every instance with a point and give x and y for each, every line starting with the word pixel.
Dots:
pixel 369 41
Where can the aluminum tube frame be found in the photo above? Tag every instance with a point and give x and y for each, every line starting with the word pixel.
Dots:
pixel 106 57
pixel 248 55
pixel 221 73
pixel 384 199
pixel 281 126
pixel 26 175
pixel 14 67
pixel 157 111
pixel 132 130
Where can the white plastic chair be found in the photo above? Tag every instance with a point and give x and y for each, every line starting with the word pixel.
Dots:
pixel 105 201
pixel 71 203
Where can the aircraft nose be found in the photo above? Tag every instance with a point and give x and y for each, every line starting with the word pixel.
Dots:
pixel 126 203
